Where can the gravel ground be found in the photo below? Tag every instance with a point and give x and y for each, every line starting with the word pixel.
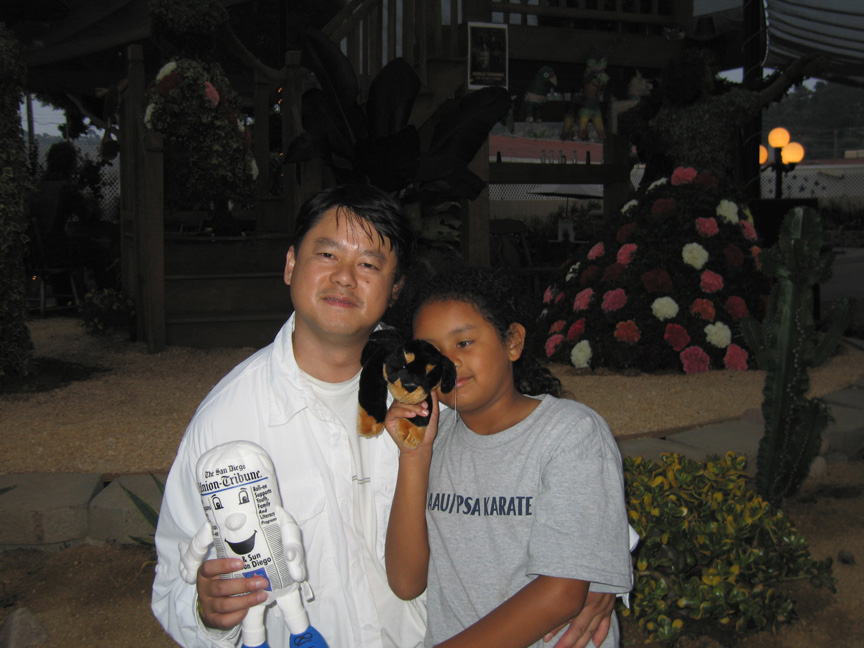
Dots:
pixel 131 417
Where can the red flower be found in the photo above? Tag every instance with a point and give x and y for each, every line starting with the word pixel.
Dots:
pixel 736 307
pixel 676 336
pixel 657 281
pixel 705 180
pixel 706 227
pixel 212 93
pixel 583 299
pixel 704 309
pixel 735 358
pixel 557 327
pixel 627 332
pixel 624 232
pixel 683 175
pixel 612 272
pixel 734 255
pixel 756 251
pixel 597 251
pixel 711 282
pixel 168 83
pixel 588 274
pixel 552 344
pixel 662 206
pixel 576 330
pixel 694 360
pixel 625 254
pixel 559 297
pixel 614 299
pixel 547 296
pixel 747 230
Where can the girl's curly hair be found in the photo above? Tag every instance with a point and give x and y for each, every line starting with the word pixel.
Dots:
pixel 494 296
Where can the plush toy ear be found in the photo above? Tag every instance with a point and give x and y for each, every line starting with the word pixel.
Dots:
pixel 448 374
pixel 372 395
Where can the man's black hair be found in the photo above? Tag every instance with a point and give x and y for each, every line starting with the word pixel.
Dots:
pixel 369 205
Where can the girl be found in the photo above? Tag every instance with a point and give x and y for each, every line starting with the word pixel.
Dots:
pixel 515 507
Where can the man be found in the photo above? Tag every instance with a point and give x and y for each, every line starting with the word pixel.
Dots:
pixel 297 398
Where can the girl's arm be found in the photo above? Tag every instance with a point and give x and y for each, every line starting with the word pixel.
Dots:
pixel 406 555
pixel 542 605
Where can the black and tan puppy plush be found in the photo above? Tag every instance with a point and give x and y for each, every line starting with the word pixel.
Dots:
pixel 409 371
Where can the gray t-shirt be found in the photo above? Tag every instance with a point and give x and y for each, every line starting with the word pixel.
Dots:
pixel 543 497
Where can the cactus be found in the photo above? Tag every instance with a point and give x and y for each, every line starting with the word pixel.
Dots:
pixel 785 348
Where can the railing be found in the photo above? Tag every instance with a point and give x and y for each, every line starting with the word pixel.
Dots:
pixel 373 32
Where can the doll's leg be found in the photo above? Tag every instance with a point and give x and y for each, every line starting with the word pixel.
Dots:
pixel 252 628
pixel 295 617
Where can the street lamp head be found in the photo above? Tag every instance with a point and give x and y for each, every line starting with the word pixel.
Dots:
pixel 792 153
pixel 778 137
pixel 763 155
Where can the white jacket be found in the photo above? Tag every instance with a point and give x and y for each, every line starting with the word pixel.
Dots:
pixel 265 399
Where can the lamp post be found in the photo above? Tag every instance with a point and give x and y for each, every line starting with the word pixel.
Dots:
pixel 787 154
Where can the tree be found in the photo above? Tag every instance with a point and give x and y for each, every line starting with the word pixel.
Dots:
pixel 15 343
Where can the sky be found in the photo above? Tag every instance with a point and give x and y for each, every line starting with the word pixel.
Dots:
pixel 45 119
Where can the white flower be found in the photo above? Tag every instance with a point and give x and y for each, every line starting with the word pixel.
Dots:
pixel 719 335
pixel 628 206
pixel 573 271
pixel 148 116
pixel 694 255
pixel 580 356
pixel 167 69
pixel 253 168
pixel 728 211
pixel 657 183
pixel 664 308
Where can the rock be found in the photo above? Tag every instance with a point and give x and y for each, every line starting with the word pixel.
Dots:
pixel 818 468
pixel 846 557
pixel 22 630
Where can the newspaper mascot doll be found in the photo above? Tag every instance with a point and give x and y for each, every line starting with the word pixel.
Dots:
pixel 245 519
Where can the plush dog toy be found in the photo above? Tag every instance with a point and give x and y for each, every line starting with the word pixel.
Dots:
pixel 409 371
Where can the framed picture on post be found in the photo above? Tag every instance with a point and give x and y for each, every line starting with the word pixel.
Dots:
pixel 487 55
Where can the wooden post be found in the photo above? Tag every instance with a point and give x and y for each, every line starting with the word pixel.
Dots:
pixel 131 124
pixel 151 243
pixel 475 220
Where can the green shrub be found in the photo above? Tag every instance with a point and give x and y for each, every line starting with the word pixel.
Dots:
pixel 712 550
pixel 107 310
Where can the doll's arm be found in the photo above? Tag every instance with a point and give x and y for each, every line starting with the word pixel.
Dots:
pixel 292 543
pixel 192 553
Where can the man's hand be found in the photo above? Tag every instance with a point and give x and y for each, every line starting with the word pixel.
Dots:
pixel 591 623
pixel 224 601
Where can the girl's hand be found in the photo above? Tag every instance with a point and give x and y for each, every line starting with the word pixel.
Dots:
pixel 400 413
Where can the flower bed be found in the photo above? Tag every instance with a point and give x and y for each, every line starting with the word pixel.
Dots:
pixel 665 286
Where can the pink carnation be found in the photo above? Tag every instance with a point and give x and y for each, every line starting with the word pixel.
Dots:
pixel 597 251
pixel 747 230
pixel 576 330
pixel 683 175
pixel 557 327
pixel 735 358
pixel 694 360
pixel 583 299
pixel 212 93
pixel 704 309
pixel 547 296
pixel 614 299
pixel 552 344
pixel 711 282
pixel 736 307
pixel 625 254
pixel 756 251
pixel 706 226
pixel 559 297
